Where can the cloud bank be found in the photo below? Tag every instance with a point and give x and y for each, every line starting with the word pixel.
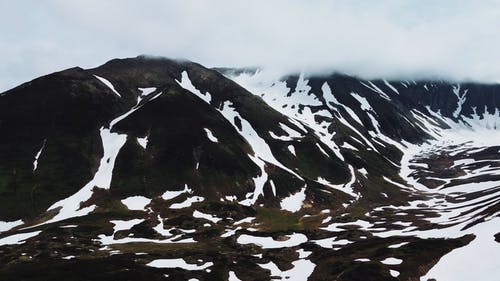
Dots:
pixel 450 39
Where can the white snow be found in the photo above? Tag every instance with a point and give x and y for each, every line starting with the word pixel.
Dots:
pixel 245 220
pixel 329 243
pixel 167 195
pixel 210 135
pixel 68 226
pixel 303 254
pixel 70 207
pixel 484 250
pixel 178 263
pixel 37 155
pixel 461 99
pixel 273 187
pixel 291 148
pixel 8 225
pixel 348 146
pixel 392 261
pixel 124 225
pixel 363 171
pixel 187 203
pixel 376 89
pixel 365 105
pixel 292 240
pixel 346 188
pixel 275 93
pixel 394 246
pixel 233 277
pixel 144 93
pixel 143 141
pixel 293 203
pixel 394 273
pixel 109 240
pixel 262 152
pixel 18 238
pixel 186 84
pixel 301 270
pixel 292 134
pixel 391 87
pixel 136 203
pixel 209 217
pixel 108 84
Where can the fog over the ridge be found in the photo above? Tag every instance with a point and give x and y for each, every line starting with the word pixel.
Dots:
pixel 407 39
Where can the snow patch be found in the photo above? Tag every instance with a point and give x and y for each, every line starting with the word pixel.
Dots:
pixel 210 135
pixel 18 238
pixel 108 84
pixel 187 203
pixel 136 203
pixel 294 202
pixel 186 84
pixel 178 263
pixel 292 240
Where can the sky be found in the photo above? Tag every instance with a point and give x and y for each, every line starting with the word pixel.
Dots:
pixel 394 39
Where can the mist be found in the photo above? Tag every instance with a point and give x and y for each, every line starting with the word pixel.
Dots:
pixel 392 39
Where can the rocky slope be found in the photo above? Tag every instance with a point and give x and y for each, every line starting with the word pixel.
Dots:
pixel 165 170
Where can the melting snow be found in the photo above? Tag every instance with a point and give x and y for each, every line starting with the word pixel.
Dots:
pixel 293 203
pixel 125 225
pixel 301 270
pixel 108 84
pixel 35 163
pixel 363 101
pixel 8 225
pixel 178 263
pixel 210 135
pixel 329 243
pixel 187 203
pixel 394 246
pixel 143 141
pixel 392 261
pixel 292 240
pixel 260 148
pixel 70 207
pixel 167 195
pixel 18 238
pixel 303 254
pixel 391 87
pixel 144 92
pixel 395 273
pixel 186 84
pixel 137 203
pixel 209 217
pixel 461 100
pixel 233 277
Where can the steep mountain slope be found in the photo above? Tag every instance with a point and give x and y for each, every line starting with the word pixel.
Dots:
pixel 158 169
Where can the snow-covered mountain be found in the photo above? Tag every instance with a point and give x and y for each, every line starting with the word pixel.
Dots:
pixel 155 169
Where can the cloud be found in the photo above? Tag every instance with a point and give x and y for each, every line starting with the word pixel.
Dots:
pixel 453 39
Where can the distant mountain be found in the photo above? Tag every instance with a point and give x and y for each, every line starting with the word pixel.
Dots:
pixel 157 169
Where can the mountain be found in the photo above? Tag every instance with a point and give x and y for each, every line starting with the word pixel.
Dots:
pixel 158 169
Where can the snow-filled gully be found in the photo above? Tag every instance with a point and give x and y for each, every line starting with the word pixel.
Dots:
pixel 111 143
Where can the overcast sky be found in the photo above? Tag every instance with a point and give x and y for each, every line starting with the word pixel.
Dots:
pixel 454 39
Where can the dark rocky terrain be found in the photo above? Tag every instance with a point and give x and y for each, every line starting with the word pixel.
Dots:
pixel 155 169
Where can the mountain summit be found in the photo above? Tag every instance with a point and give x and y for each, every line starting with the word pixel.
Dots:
pixel 158 169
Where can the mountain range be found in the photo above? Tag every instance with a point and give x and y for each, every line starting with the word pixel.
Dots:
pixel 158 169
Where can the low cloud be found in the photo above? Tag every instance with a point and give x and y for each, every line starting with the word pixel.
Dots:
pixel 453 39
